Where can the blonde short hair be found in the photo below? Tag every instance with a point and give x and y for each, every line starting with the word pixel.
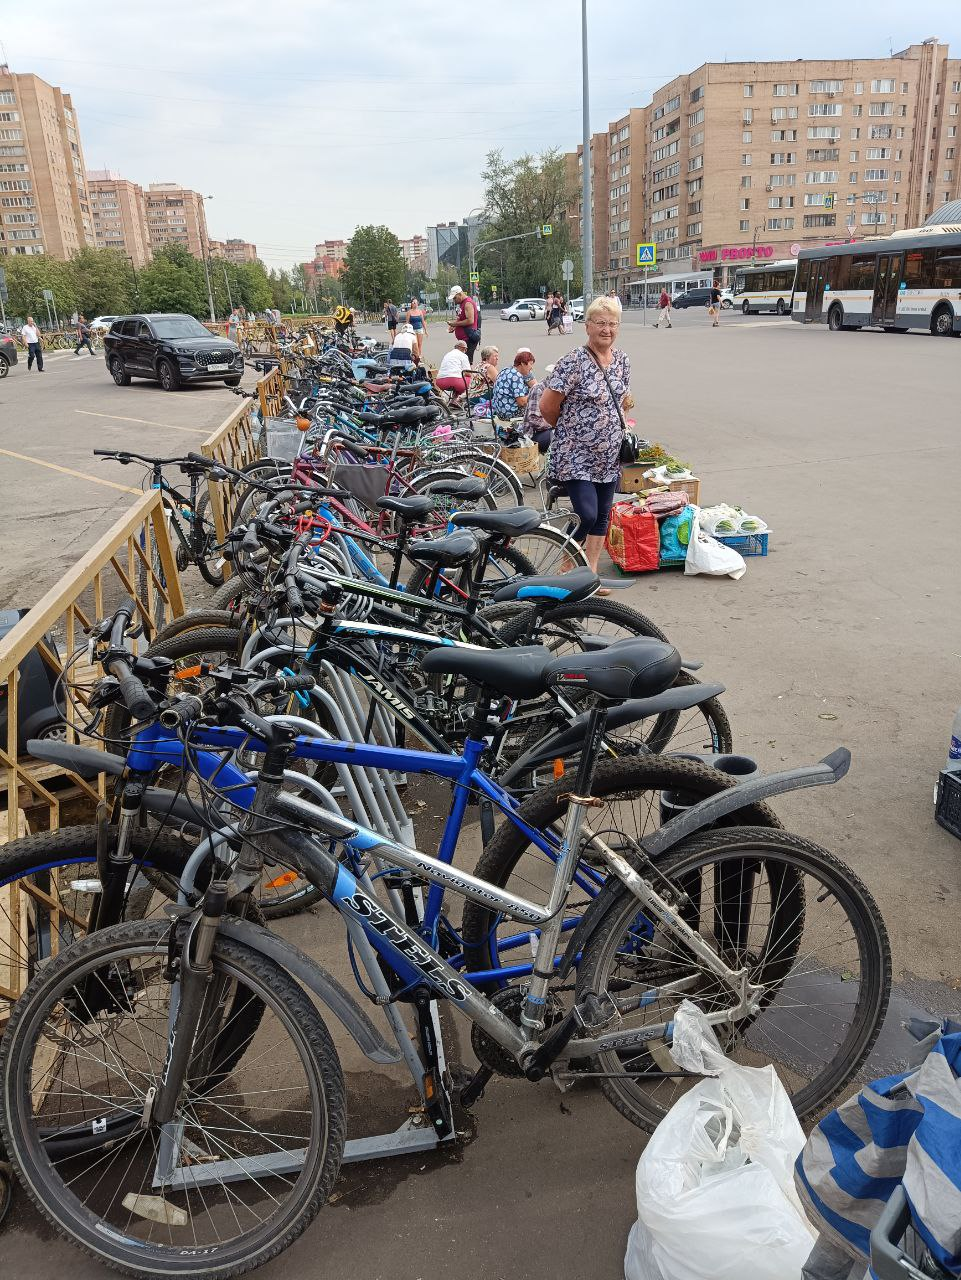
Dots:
pixel 604 306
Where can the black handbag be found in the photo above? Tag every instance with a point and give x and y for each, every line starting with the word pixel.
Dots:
pixel 629 447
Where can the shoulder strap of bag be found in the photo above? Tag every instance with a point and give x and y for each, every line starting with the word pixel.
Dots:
pixel 607 380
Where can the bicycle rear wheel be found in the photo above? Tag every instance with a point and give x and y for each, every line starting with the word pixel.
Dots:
pixel 803 925
pixel 251 1155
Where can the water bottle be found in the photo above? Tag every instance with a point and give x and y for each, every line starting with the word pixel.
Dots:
pixel 954 747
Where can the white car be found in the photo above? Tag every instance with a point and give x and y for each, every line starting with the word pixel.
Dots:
pixel 524 309
pixel 100 324
pixel 577 308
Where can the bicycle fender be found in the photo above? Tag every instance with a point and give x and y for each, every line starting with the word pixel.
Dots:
pixel 82 760
pixel 681 698
pixel 323 984
pixel 706 812
pixel 701 815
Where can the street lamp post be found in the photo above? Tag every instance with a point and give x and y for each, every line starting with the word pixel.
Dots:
pixel 587 222
pixel 204 247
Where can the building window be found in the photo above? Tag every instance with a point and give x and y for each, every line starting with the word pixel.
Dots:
pixel 7 97
pixel 693 208
pixel 876 153
pixel 696 139
pixel 825 153
pixel 873 218
pixel 815 198
pixel 747 116
pixel 745 180
pixel 820 219
pixel 785 90
pixel 825 109
pixel 783 113
pixel 859 86
pixel 696 162
pixel 852 157
pixel 947 175
pixel 881 109
pixel 695 118
pixel 827 86
pixel 826 131
pixel 849 220
pixel 853 177
pixel 783 157
pixel 693 228
pixel 882 86
pixel 745 204
pixel 902 110
pixel 784 135
pixel 949 154
pixel 697 94
pixel 780 202
pixel 857 110
pixel 746 158
pixel 780 224
pixel 879 131
pixel 855 135
pixel 878 175
pixel 821 175
pixel 952 130
pixel 749 91
pixel 743 225
pixel 746 135
pixel 953 109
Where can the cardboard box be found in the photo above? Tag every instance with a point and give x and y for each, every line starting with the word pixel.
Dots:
pixel 633 481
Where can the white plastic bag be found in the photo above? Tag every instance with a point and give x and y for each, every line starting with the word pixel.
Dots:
pixel 706 555
pixel 715 1184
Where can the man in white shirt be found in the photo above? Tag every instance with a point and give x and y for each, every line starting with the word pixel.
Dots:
pixel 31 336
pixel 400 357
pixel 452 370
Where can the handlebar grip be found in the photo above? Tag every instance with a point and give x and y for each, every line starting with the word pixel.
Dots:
pixel 139 702
pixel 295 600
pixel 250 540
pixel 183 712
pixel 297 683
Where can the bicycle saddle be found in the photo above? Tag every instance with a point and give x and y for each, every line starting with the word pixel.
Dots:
pixel 414 507
pixel 516 672
pixel 626 669
pixel 468 488
pixel 505 524
pixel 576 585
pixel 444 553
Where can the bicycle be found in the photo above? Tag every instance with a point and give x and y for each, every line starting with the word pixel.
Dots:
pixel 197 542
pixel 170 1031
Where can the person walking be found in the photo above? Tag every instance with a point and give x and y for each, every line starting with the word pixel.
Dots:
pixel 390 319
pixel 714 310
pixel 465 323
pixel 583 400
pixel 83 337
pixel 548 307
pixel 417 316
pixel 664 310
pixel 30 335
pixel 555 313
pixel 233 324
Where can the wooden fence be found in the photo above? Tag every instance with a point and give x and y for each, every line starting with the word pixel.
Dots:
pixel 235 443
pixel 133 560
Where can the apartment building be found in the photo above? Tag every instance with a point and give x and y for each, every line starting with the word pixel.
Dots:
pixel 175 215
pixel 44 206
pixel 236 251
pixel 330 257
pixel 119 215
pixel 600 197
pixel 414 251
pixel 750 161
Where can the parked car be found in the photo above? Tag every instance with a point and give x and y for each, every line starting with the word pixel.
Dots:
pixel 8 354
pixel 577 308
pixel 701 298
pixel 524 309
pixel 172 349
pixel 100 324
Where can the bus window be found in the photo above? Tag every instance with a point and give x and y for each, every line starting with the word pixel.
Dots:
pixel 841 272
pixel 738 283
pixel 947 269
pixel 914 269
pixel 803 267
pixel 862 271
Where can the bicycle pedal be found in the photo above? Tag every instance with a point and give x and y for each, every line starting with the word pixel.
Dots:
pixel 474 1090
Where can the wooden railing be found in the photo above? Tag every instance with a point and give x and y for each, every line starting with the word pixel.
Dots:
pixel 271 391
pixel 133 560
pixel 235 443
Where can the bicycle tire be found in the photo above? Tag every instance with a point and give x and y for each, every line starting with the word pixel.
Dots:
pixel 119 1246
pixel 503 857
pixel 206 560
pixel 551 551
pixel 747 848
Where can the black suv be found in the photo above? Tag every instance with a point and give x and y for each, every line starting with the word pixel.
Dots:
pixel 8 353
pixel 173 349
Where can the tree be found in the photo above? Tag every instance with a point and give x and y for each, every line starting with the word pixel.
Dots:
pixel 28 275
pixel 520 196
pixel 374 268
pixel 174 281
pixel 104 282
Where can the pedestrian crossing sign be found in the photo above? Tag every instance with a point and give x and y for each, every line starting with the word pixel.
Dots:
pixel 647 255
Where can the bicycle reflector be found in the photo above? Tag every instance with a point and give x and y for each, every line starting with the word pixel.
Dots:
pixel 281 881
pixel 558 768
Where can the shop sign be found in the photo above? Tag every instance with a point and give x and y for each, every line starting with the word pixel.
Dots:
pixel 735 252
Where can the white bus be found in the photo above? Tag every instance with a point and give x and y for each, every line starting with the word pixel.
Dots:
pixel 911 280
pixel 766 288
pixel 675 285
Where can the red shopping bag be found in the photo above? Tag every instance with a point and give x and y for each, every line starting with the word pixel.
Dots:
pixel 633 539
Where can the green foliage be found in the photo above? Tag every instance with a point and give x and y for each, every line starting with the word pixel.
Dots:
pixel 103 282
pixel 374 268
pixel 519 196
pixel 28 275
pixel 174 281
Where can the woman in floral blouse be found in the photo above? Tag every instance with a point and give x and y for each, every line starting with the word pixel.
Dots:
pixel 576 401
pixel 512 387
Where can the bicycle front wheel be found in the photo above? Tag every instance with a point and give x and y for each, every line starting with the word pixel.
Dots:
pixel 796 918
pixel 252 1153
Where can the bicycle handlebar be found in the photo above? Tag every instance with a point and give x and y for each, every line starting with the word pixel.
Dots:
pixel 117 662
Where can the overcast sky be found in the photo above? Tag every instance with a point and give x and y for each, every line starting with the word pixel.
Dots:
pixel 304 118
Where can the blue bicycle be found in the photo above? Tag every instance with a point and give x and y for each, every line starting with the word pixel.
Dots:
pixel 172 1098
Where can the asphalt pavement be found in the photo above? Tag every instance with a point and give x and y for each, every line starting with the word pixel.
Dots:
pixel 847 633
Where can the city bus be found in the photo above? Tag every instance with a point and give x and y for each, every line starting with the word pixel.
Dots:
pixel 909 280
pixel 675 285
pixel 766 288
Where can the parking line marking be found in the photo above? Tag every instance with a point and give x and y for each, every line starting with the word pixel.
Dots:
pixel 69 471
pixel 145 422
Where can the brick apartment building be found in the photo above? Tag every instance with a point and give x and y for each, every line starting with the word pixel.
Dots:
pixel 119 215
pixel 44 206
pixel 414 252
pixel 236 251
pixel 329 257
pixel 746 161
pixel 175 215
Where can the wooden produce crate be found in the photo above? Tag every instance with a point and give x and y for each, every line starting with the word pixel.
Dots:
pixel 633 481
